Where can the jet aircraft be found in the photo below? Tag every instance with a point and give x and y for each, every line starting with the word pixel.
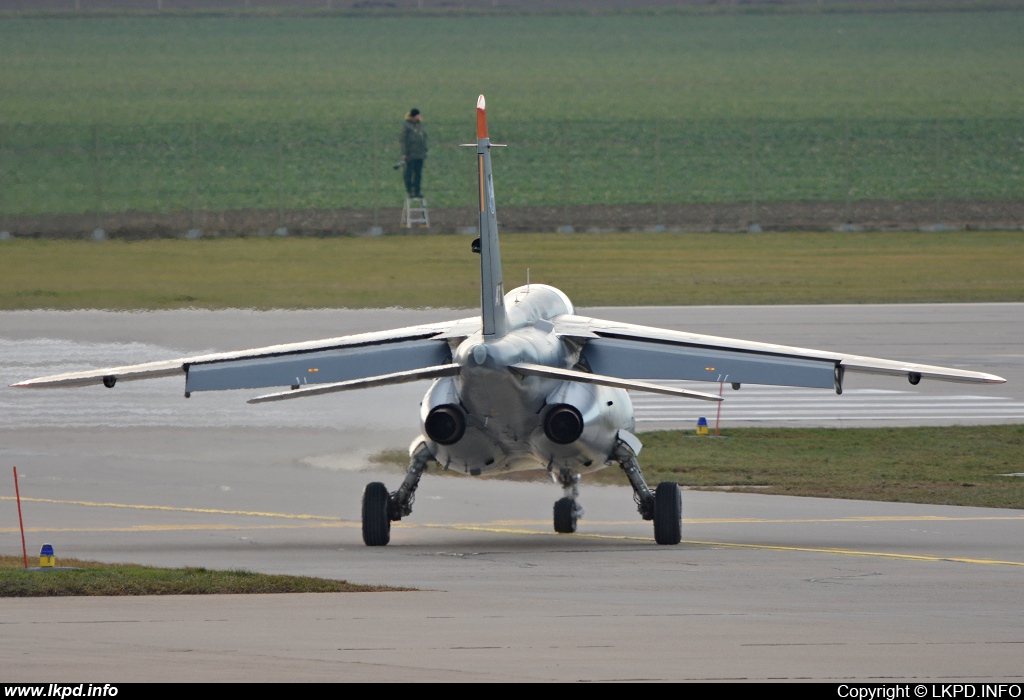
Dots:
pixel 527 384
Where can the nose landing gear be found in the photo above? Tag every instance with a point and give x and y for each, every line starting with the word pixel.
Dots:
pixel 567 509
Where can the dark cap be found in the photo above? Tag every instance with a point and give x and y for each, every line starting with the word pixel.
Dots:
pixel 414 112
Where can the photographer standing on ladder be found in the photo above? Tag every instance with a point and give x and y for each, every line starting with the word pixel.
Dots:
pixel 414 151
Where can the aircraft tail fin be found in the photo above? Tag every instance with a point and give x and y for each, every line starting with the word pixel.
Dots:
pixel 492 288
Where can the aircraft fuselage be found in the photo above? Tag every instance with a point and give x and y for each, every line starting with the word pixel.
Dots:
pixel 512 422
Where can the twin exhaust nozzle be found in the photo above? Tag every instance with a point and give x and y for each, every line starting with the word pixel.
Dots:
pixel 446 424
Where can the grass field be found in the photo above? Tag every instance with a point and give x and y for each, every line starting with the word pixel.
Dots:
pixel 160 114
pixel 440 271
pixel 959 465
pixel 94 578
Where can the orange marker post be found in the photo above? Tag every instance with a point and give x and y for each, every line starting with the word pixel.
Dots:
pixel 21 524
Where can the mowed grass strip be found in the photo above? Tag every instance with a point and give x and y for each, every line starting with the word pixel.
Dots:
pixel 959 465
pixel 440 271
pixel 94 578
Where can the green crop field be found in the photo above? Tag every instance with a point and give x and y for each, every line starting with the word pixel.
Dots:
pixel 178 113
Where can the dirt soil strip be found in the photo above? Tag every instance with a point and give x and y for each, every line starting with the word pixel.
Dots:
pixel 770 216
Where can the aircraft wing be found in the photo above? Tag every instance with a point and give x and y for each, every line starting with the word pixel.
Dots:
pixel 642 352
pixel 331 360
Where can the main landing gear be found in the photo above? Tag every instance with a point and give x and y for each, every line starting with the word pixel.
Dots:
pixel 664 506
pixel 380 508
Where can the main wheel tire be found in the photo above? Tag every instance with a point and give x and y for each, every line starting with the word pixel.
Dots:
pixel 565 515
pixel 668 513
pixel 376 522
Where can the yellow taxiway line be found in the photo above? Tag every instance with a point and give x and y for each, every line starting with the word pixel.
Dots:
pixel 176 509
pixel 527 527
pixel 544 523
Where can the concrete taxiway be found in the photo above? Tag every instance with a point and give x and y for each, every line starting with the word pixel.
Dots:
pixel 762 587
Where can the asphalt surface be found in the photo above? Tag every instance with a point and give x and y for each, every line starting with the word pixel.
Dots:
pixel 762 587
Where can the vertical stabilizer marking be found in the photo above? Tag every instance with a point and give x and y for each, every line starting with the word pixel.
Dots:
pixel 480 163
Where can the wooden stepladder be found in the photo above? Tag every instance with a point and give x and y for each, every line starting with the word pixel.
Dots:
pixel 414 213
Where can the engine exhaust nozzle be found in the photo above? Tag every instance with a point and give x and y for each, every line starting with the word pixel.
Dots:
pixel 445 424
pixel 563 424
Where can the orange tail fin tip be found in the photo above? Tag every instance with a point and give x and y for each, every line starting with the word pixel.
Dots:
pixel 481 118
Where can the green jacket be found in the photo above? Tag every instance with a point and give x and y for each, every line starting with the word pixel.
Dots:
pixel 413 140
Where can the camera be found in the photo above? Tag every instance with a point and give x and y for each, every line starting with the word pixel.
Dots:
pixel 398 165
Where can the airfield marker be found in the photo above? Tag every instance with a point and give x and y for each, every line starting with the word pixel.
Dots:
pixel 17 494
pixel 46 558
pixel 718 414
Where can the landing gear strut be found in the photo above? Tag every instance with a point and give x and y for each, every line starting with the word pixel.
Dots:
pixel 380 508
pixel 626 458
pixel 567 509
pixel 664 506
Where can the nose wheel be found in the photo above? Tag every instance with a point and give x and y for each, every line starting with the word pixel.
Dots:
pixel 567 512
pixel 567 509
